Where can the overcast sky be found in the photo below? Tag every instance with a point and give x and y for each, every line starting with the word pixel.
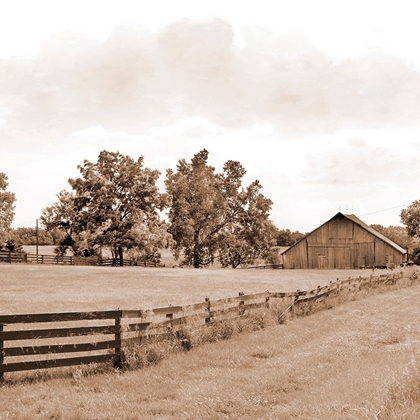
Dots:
pixel 319 100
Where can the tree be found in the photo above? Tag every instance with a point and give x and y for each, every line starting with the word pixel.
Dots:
pixel 7 200
pixel 397 234
pixel 249 235
pixel 286 237
pixel 410 217
pixel 28 236
pixel 193 215
pixel 149 240
pixel 211 216
pixel 110 201
pixel 61 216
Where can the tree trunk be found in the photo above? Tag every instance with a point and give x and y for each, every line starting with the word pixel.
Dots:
pixel 196 259
pixel 121 256
pixel 196 254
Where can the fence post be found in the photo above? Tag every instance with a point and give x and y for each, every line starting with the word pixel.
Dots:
pixel 10 257
pixel 207 320
pixel 118 362
pixel 241 303
pixel 1 354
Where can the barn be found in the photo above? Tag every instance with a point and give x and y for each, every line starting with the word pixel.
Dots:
pixel 343 242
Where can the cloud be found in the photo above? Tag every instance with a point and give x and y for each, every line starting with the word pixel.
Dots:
pixel 137 79
pixel 358 170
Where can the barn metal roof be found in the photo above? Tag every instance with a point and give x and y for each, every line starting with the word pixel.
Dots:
pixel 356 220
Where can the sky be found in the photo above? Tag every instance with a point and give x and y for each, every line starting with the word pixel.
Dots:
pixel 319 101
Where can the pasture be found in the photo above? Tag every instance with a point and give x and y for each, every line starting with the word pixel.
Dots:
pixel 358 360
pixel 41 288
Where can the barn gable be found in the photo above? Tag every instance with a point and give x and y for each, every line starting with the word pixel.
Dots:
pixel 343 242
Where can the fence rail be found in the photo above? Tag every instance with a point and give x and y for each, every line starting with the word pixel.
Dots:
pixel 22 257
pixel 13 257
pixel 272 266
pixel 102 342
pixel 51 259
pixel 100 337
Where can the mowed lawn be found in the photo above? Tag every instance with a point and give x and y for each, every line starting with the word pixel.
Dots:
pixel 29 288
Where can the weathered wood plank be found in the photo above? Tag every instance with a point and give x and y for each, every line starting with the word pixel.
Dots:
pixel 282 294
pixel 135 313
pixel 137 326
pixel 167 310
pixel 52 363
pixel 249 306
pixel 306 298
pixel 195 307
pixel 63 348
pixel 58 317
pixel 141 313
pixel 150 326
pixel 242 298
pixel 57 332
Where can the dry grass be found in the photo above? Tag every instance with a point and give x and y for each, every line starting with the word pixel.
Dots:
pixel 356 361
pixel 72 288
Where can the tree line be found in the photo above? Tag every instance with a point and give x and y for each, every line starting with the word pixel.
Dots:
pixel 203 216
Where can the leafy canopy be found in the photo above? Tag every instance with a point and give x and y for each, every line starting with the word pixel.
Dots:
pixel 7 207
pixel 111 202
pixel 212 216
pixel 410 217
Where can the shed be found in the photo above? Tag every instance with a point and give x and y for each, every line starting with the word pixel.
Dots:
pixel 343 242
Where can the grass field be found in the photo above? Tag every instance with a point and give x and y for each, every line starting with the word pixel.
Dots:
pixel 42 249
pixel 166 255
pixel 359 360
pixel 41 288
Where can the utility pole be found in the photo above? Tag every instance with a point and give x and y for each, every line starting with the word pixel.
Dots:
pixel 36 236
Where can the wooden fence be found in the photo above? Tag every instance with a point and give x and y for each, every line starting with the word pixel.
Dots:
pixel 51 259
pixel 22 257
pixel 13 257
pixel 50 345
pixel 110 262
pixel 92 343
pixel 102 336
pixel 271 266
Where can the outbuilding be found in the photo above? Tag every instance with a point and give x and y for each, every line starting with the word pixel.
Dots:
pixel 343 242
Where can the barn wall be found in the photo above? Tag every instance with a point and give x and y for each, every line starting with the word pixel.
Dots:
pixel 341 244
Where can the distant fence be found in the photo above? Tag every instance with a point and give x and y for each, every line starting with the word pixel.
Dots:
pixel 112 262
pixel 13 257
pixel 102 335
pixel 22 257
pixel 272 266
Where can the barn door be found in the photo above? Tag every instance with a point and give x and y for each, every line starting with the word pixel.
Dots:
pixel 322 261
pixel 339 257
pixel 342 257
pixel 289 261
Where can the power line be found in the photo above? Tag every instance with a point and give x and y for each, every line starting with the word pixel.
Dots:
pixel 380 211
pixel 366 214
